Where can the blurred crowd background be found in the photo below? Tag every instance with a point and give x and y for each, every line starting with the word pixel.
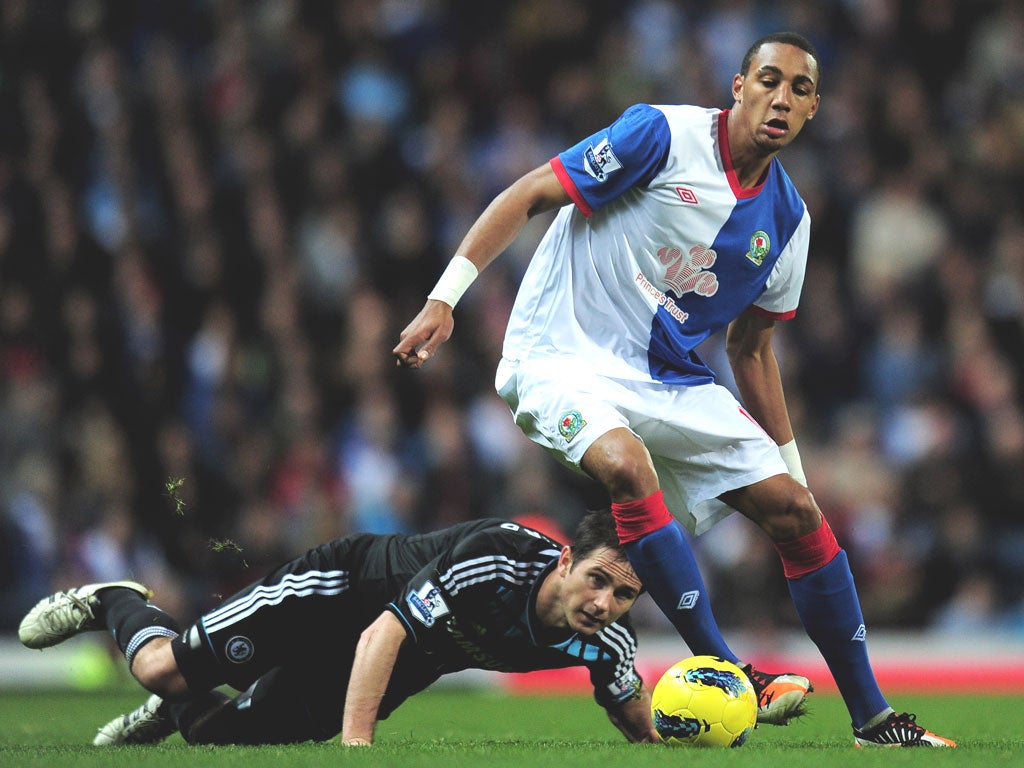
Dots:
pixel 216 216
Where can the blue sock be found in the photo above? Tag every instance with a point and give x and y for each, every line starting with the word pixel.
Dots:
pixel 826 601
pixel 665 564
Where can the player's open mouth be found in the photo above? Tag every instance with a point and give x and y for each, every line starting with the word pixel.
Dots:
pixel 776 128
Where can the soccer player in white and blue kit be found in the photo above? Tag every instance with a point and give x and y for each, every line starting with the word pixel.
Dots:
pixel 676 222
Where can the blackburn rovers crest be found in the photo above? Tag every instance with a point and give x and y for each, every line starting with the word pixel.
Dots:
pixel 570 424
pixel 760 244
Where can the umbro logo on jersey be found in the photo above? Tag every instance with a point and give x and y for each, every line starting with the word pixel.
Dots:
pixel 688 599
pixel 861 635
pixel 687 195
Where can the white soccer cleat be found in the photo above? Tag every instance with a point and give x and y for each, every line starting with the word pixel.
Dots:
pixel 145 725
pixel 64 614
pixel 780 698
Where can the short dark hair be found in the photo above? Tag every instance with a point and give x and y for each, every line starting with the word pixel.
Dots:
pixel 596 530
pixel 785 38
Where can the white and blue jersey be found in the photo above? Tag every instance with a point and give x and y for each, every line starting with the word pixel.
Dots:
pixel 661 249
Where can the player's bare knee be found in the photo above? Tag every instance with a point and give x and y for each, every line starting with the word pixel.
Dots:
pixel 156 670
pixel 625 482
pixel 796 516
pixel 625 471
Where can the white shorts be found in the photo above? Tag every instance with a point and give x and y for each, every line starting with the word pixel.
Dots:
pixel 702 442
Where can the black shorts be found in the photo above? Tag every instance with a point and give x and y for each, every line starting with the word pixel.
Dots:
pixel 287 642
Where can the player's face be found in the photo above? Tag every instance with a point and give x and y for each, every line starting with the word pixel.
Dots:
pixel 596 590
pixel 776 96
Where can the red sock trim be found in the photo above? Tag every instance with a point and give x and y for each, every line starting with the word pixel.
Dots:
pixel 635 519
pixel 809 552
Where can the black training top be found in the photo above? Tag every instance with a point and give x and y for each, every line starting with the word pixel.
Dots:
pixel 467 598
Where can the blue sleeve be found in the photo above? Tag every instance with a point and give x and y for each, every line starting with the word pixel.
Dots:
pixel 628 153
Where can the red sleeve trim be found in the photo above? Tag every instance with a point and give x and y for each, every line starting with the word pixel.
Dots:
pixel 570 187
pixel 773 315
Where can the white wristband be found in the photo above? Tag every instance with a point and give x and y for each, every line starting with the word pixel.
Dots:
pixel 456 278
pixel 791 456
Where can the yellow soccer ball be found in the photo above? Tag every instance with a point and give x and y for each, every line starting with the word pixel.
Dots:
pixel 704 701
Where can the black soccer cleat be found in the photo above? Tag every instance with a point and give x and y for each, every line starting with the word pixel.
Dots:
pixel 899 730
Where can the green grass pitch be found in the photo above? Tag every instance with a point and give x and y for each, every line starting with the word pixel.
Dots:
pixel 455 728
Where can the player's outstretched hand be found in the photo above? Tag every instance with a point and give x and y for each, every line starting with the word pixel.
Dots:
pixel 428 330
